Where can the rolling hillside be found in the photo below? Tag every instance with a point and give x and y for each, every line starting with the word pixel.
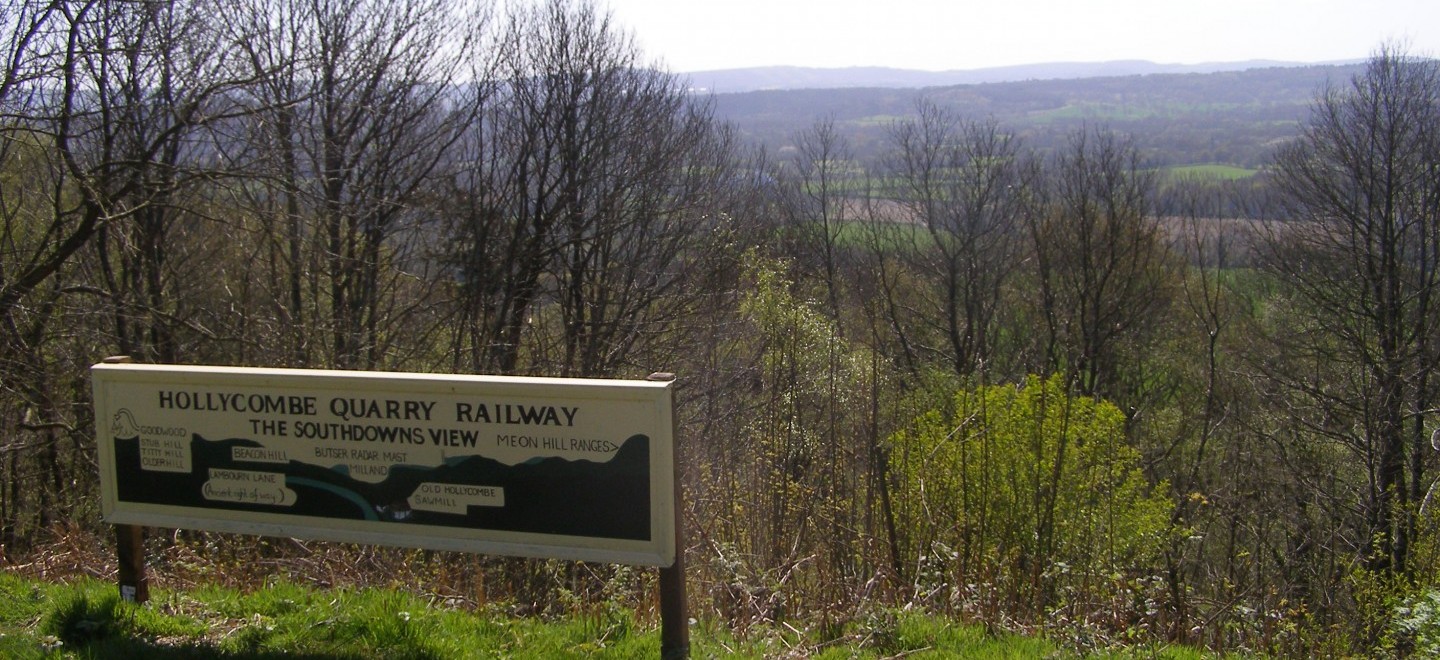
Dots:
pixel 1234 117
pixel 732 81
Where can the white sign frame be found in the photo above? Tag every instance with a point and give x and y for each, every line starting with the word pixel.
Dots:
pixel 255 444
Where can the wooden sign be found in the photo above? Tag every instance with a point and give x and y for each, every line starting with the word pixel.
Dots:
pixel 537 467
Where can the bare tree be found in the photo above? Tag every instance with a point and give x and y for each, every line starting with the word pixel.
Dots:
pixel 41 102
pixel 1101 266
pixel 98 109
pixel 593 176
pixel 823 194
pixel 362 105
pixel 965 182
pixel 169 82
pixel 1361 263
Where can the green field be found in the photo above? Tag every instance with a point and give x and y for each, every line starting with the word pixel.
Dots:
pixel 1209 171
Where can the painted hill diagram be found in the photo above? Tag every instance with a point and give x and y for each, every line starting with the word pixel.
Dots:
pixel 545 495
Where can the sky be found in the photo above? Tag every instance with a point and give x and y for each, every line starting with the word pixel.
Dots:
pixel 701 35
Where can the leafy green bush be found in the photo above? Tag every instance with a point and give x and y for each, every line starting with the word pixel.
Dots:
pixel 1023 492
pixel 1415 626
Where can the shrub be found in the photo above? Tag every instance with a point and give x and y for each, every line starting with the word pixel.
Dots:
pixel 1020 492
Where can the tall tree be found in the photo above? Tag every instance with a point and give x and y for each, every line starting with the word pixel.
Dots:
pixel 592 177
pixel 965 182
pixel 820 198
pixel 1101 265
pixel 1361 263
pixel 363 103
pixel 169 82
pixel 100 107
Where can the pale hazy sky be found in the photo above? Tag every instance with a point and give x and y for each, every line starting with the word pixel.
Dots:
pixel 697 35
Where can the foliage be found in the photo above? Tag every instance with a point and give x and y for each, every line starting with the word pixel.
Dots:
pixel 1414 627
pixel 1026 491
pixel 797 499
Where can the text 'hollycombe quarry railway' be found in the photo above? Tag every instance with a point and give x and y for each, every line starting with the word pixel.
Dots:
pixel 361 408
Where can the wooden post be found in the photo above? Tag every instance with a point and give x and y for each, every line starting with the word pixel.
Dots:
pixel 674 619
pixel 129 542
pixel 130 549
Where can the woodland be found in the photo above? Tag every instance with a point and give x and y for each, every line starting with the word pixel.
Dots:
pixel 1236 117
pixel 1043 387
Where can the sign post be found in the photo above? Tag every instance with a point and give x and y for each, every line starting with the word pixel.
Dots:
pixel 578 469
pixel 674 619
pixel 130 553
pixel 130 547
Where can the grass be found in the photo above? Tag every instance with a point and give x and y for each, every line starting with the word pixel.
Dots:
pixel 1210 171
pixel 86 619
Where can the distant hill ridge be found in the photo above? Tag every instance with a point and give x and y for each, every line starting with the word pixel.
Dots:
pixel 727 81
pixel 1233 117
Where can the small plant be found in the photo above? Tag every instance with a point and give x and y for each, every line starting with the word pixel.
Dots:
pixel 80 619
pixel 1414 629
